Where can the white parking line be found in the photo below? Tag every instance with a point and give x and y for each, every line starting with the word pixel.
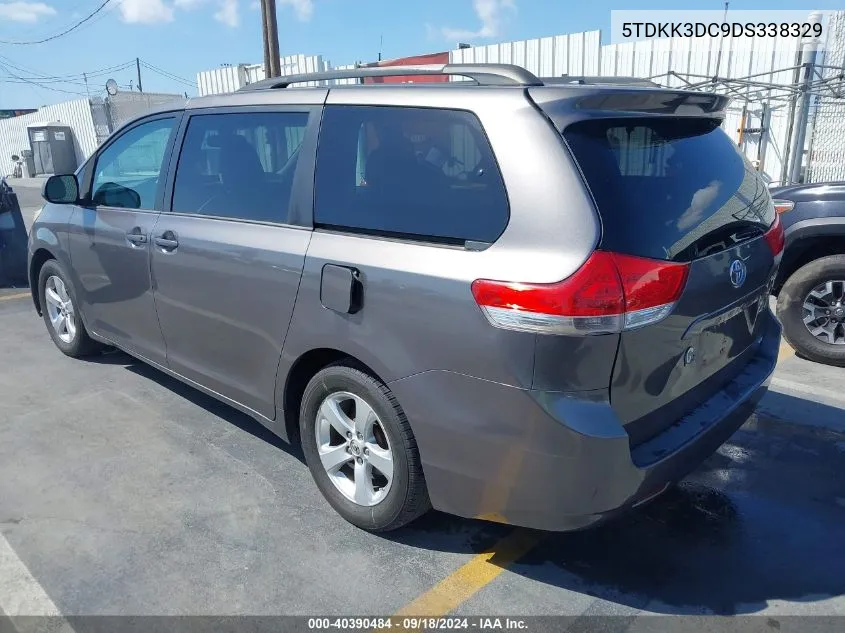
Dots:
pixel 21 595
pixel 785 384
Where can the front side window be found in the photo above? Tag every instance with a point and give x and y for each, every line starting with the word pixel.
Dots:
pixel 128 171
pixel 413 172
pixel 239 165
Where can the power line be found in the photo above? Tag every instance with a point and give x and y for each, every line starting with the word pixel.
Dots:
pixel 168 75
pixel 62 33
pixel 37 84
pixel 38 75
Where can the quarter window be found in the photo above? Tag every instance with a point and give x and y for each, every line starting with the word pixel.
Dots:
pixel 412 172
pixel 239 165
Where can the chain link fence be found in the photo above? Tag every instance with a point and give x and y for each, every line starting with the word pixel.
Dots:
pixel 827 145
pixel 125 106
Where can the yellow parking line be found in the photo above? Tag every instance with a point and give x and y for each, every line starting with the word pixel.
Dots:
pixel 467 580
pixel 785 352
pixel 20 295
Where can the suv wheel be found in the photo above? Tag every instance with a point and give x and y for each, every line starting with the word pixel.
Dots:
pixel 61 314
pixel 360 450
pixel 811 307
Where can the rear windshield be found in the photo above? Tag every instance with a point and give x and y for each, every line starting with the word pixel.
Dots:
pixel 675 189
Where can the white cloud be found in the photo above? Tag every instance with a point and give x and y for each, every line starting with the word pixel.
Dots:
pixel 25 11
pixel 228 13
pixel 304 9
pixel 489 12
pixel 187 4
pixel 145 11
pixel 255 5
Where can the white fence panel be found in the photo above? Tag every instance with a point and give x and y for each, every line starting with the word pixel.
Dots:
pixel 75 114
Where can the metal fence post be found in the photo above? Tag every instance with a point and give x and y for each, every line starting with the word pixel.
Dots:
pixel 809 50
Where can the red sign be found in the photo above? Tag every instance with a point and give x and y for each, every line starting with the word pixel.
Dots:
pixel 431 58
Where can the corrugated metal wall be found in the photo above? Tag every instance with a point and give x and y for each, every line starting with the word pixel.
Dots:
pixel 231 78
pixel 220 80
pixel 573 54
pixel 75 114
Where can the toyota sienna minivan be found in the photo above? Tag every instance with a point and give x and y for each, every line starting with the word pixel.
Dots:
pixel 523 300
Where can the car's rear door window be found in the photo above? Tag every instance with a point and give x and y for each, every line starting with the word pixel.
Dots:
pixel 409 172
pixel 669 188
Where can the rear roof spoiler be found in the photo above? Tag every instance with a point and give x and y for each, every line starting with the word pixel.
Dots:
pixel 595 80
pixel 568 105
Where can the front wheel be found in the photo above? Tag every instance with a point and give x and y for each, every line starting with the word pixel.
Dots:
pixel 361 450
pixel 811 308
pixel 61 312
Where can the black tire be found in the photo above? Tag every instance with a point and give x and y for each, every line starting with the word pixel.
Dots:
pixel 790 309
pixel 407 497
pixel 81 344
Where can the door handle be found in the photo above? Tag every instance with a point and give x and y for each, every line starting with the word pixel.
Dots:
pixel 167 241
pixel 135 237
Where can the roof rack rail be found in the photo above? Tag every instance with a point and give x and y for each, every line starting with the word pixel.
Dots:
pixel 483 74
pixel 584 79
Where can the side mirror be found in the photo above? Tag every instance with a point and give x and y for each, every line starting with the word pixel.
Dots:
pixel 61 190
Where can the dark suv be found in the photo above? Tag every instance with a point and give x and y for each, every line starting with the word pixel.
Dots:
pixel 507 299
pixel 811 279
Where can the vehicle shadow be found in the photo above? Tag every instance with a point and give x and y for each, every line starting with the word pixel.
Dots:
pixel 211 405
pixel 759 521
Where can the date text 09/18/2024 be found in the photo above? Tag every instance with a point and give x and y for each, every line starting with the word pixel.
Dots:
pixel 417 623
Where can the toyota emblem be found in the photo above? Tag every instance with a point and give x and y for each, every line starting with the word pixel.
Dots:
pixel 737 272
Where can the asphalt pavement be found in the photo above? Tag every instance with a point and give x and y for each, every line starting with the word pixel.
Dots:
pixel 124 492
pixel 28 191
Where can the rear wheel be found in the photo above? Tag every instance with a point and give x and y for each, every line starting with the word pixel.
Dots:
pixel 61 313
pixel 811 307
pixel 360 450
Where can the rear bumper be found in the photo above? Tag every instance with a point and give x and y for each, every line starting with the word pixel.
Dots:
pixel 559 461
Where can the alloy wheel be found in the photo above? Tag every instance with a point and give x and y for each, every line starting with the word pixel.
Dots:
pixel 353 448
pixel 60 309
pixel 824 312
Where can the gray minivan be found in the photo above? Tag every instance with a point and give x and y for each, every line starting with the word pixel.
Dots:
pixel 523 300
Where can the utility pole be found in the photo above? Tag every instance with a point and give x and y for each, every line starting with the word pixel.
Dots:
pixel 138 69
pixel 272 62
pixel 265 40
pixel 809 49
pixel 85 79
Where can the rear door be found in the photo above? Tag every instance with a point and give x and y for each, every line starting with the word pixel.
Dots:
pixel 227 253
pixel 677 189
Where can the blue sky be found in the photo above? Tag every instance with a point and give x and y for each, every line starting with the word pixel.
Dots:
pixel 183 37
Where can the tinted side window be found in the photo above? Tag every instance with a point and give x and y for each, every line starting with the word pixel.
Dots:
pixel 408 171
pixel 128 170
pixel 239 165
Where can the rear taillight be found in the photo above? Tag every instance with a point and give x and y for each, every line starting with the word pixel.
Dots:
pixel 609 293
pixel 775 237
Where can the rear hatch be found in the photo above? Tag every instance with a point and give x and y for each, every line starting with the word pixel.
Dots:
pixel 676 189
